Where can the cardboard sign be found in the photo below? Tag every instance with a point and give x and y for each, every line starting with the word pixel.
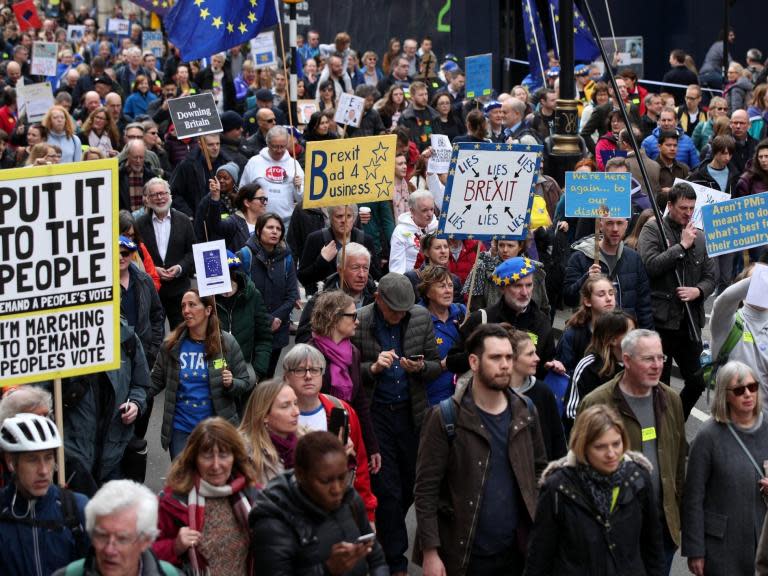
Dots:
pixel 153 41
pixel 44 58
pixel 349 171
pixel 704 195
pixel 489 192
pixel 264 50
pixel 439 162
pixel 479 78
pixel 194 115
pixel 598 194
pixel 59 280
pixel 350 110
pixel 305 109
pixel 34 100
pixel 211 268
pixel 736 224
pixel 757 295
pixel 75 33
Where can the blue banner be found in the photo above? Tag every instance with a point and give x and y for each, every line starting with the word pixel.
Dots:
pixel 534 39
pixel 585 48
pixel 598 194
pixel 736 224
pixel 479 75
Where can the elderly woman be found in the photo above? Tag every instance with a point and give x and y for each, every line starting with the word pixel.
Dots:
pixel 322 247
pixel 203 518
pixel 597 513
pixel 269 426
pixel 435 251
pixel 725 489
pixel 202 371
pixel 316 503
pixel 334 321
pixel 304 368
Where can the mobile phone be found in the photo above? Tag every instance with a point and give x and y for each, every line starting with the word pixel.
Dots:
pixel 339 420
pixel 415 357
pixel 365 538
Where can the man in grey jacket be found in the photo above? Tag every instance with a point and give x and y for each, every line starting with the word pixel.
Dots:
pixel 398 356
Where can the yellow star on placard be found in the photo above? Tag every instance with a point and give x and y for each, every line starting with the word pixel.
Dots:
pixel 383 187
pixel 477 146
pixel 252 17
pixel 380 152
pixel 230 27
pixel 204 13
pixel 217 23
pixel 243 28
pixel 498 146
pixel 370 170
pixel 199 2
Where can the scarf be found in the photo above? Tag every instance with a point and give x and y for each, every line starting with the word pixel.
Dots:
pixel 600 487
pixel 286 448
pixel 196 510
pixel 340 357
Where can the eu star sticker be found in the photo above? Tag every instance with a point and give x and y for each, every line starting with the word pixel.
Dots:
pixel 380 152
pixel 371 169
pixel 383 188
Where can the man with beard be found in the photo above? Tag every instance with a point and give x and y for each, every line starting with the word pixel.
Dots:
pixel 168 236
pixel 488 424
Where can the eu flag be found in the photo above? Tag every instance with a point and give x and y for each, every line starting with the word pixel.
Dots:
pixel 201 28
pixel 585 48
pixel 534 38
pixel 160 7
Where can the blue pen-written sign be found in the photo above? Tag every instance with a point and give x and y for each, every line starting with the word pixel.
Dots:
pixel 598 194
pixel 479 78
pixel 736 224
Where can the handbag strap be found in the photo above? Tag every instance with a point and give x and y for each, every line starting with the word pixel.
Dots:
pixel 746 451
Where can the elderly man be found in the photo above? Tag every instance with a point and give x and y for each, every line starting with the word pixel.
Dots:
pixel 352 276
pixel 276 171
pixel 122 522
pixel 399 76
pixel 133 174
pixel 126 75
pixel 91 101
pixel 190 180
pixel 516 129
pixel 168 237
pixel 265 120
pixel 653 417
pixel 218 79
pixel 321 248
pixel 745 144
pixel 114 103
pixel 411 226
pixel 398 356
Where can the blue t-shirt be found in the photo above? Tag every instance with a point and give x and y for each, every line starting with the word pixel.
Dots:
pixel 720 176
pixel 446 333
pixel 193 397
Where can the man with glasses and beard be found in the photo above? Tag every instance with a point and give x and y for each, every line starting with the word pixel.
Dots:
pixel 488 451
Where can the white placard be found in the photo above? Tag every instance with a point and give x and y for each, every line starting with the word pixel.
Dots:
pixel 704 195
pixel 34 100
pixel 350 110
pixel 757 295
pixel 264 50
pixel 305 109
pixel 211 268
pixel 119 26
pixel 440 160
pixel 75 32
pixel 44 58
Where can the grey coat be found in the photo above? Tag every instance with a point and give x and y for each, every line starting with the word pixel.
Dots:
pixel 165 375
pixel 723 510
pixel 695 267
pixel 418 338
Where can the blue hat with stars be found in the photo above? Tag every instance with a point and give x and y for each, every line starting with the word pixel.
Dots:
pixel 553 72
pixel 127 243
pixel 581 70
pixel 233 260
pixel 492 105
pixel 512 270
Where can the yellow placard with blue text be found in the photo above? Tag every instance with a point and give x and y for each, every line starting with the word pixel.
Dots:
pixel 59 271
pixel 349 171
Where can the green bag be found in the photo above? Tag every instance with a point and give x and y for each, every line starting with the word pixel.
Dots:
pixel 709 370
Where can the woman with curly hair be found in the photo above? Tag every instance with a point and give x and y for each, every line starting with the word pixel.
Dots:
pixel 100 131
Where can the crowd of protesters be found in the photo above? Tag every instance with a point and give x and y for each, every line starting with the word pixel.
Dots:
pixel 362 364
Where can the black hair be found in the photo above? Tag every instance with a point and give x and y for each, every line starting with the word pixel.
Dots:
pixel 476 341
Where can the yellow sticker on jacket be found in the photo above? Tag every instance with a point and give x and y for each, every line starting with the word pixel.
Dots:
pixel 649 434
pixel 219 363
pixel 748 338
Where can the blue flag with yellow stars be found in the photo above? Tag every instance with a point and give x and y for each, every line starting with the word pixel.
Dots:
pixel 585 48
pixel 201 28
pixel 161 7
pixel 534 38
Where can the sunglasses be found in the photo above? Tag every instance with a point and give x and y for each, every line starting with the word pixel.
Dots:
pixel 739 390
pixel 124 254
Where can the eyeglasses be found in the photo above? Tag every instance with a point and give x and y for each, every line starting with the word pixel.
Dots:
pixel 311 370
pixel 262 199
pixel 739 390
pixel 352 315
pixel 661 358
pixel 157 194
pixel 102 539
pixel 721 108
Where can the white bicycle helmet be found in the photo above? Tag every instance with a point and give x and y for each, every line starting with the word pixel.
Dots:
pixel 28 433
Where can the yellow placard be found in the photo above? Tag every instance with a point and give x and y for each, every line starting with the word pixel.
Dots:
pixel 349 171
pixel 649 434
pixel 59 271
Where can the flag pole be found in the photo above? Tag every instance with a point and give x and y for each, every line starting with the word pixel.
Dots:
pixel 289 88
pixel 536 43
pixel 554 30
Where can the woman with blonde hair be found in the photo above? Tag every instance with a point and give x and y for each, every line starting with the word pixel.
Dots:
pixel 41 154
pixel 269 427
pixel 702 134
pixel 203 509
pixel 726 459
pixel 61 132
pixel 597 512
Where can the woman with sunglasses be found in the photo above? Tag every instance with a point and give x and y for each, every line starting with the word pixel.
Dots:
pixel 250 202
pixel 334 321
pixel 726 490
pixel 326 95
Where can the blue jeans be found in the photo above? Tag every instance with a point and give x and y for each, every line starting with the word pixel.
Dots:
pixel 178 442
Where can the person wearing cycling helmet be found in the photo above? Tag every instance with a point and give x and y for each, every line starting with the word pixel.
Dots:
pixel 42 527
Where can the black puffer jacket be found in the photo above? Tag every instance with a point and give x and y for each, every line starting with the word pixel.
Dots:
pixel 291 536
pixel 571 538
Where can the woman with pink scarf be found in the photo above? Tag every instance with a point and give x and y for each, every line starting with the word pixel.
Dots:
pixel 334 320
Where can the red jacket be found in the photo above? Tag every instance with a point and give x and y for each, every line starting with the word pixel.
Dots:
pixel 362 477
pixel 8 122
pixel 463 266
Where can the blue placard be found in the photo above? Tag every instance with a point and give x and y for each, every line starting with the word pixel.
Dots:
pixel 489 192
pixel 152 41
pixel 479 75
pixel 598 194
pixel 735 225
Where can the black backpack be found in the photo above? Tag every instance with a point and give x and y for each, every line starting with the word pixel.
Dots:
pixel 448 413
